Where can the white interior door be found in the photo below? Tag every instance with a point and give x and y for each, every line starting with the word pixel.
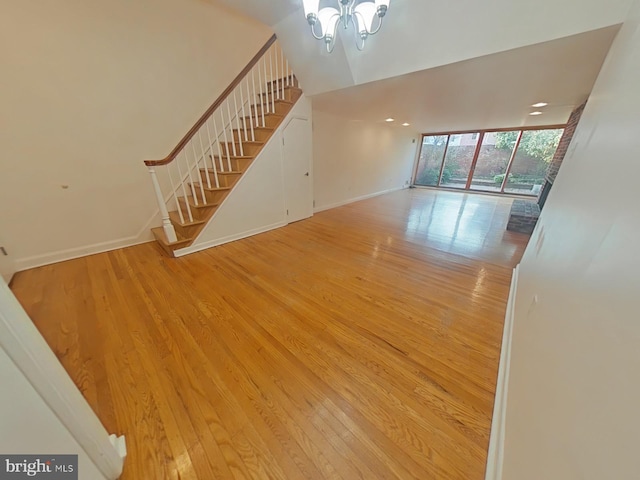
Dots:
pixel 298 185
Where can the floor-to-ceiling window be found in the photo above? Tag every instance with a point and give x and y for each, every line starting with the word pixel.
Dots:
pixel 499 161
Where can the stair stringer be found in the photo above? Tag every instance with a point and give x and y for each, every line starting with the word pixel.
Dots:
pixel 257 202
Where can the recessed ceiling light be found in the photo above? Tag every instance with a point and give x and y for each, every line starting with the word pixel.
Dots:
pixel 539 105
pixel 406 124
pixel 390 120
pixel 535 113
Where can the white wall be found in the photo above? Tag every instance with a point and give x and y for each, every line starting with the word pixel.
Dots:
pixel 89 90
pixel 257 202
pixel 573 392
pixel 353 160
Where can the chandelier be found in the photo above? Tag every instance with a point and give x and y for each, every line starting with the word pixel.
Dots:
pixel 362 14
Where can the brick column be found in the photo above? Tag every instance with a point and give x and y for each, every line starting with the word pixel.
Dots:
pixel 565 141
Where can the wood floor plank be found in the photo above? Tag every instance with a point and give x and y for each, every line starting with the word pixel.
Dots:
pixel 360 343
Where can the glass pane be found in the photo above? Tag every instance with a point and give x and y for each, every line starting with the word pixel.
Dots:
pixel 430 160
pixel 534 154
pixel 493 160
pixel 457 163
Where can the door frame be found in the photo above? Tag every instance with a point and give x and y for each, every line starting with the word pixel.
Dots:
pixel 284 166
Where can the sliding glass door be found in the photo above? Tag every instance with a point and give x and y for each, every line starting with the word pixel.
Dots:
pixel 459 159
pixel 505 161
pixel 430 161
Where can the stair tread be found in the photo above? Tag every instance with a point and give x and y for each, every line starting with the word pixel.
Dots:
pixel 211 189
pixel 227 172
pixel 288 87
pixel 266 114
pixel 281 100
pixel 231 157
pixel 200 204
pixel 255 127
pixel 175 216
pixel 248 142
pixel 158 232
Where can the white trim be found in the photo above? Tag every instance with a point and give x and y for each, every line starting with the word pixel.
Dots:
pixel 143 236
pixel 119 444
pixel 227 239
pixel 496 440
pixel 357 199
pixel 22 342
pixel 70 254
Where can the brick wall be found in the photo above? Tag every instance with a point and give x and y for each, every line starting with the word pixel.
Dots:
pixel 565 140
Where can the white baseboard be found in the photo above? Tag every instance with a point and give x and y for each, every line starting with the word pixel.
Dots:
pixel 144 235
pixel 495 455
pixel 69 254
pixel 229 238
pixel 357 199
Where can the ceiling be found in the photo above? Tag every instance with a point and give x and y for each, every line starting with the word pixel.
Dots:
pixel 492 91
pixel 424 34
pixel 452 64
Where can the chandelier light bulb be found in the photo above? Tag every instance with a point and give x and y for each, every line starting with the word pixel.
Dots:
pixel 311 8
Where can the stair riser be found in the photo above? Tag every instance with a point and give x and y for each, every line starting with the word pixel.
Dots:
pixel 216 197
pixel 159 235
pixel 187 232
pixel 280 109
pixel 260 135
pixel 198 213
pixel 272 86
pixel 241 164
pixel 227 180
pixel 248 149
pixel 271 121
pixel 290 95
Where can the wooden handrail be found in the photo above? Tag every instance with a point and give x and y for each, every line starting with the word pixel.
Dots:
pixel 205 116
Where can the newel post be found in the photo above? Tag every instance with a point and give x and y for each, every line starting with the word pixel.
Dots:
pixel 167 226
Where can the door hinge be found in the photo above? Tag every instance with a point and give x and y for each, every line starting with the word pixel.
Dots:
pixel 314 204
pixel 283 141
pixel 287 212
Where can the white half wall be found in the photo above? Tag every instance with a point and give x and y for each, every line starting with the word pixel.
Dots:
pixel 257 202
pixel 572 410
pixel 29 426
pixel 90 89
pixel 354 160
pixel 41 409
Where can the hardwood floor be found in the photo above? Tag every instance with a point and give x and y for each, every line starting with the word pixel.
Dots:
pixel 360 343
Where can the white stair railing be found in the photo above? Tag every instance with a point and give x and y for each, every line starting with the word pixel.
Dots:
pixel 198 164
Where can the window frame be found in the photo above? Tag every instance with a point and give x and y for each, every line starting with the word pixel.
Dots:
pixel 481 133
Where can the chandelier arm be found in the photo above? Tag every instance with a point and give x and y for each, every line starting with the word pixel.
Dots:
pixel 335 28
pixel 331 45
pixel 377 29
pixel 358 36
pixel 313 31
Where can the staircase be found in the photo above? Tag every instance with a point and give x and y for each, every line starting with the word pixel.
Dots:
pixel 194 180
